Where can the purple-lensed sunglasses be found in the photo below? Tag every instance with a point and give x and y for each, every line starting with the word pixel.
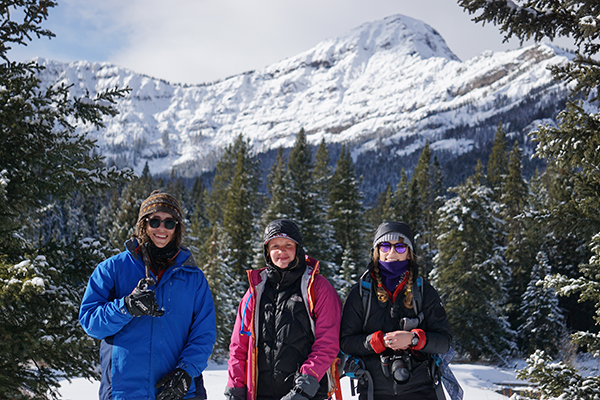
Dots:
pixel 386 247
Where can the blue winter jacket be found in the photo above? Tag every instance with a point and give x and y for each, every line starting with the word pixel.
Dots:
pixel 136 352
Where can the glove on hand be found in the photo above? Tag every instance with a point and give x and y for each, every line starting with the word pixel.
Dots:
pixel 175 385
pixel 142 302
pixel 305 387
pixel 235 393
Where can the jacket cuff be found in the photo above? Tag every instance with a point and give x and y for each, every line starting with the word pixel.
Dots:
pixel 422 339
pixel 376 342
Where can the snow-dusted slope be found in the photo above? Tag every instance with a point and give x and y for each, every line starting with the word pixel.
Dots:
pixel 392 82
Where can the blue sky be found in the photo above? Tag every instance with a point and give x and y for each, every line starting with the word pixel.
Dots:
pixel 199 41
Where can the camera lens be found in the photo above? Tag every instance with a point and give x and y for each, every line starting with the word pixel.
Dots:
pixel 400 371
pixel 385 365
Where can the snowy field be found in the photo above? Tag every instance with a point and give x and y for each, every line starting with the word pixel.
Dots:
pixel 479 382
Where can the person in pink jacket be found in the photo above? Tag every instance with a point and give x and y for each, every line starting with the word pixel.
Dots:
pixel 286 334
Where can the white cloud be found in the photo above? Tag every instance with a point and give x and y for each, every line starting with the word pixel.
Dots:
pixel 195 41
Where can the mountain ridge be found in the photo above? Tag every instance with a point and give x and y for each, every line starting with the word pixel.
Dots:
pixel 390 84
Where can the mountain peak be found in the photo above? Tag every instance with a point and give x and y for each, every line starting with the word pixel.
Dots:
pixel 404 35
pixel 402 38
pixel 390 84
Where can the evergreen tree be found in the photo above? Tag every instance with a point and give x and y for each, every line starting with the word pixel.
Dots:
pixel 556 380
pixel 303 198
pixel 228 249
pixel 326 247
pixel 400 199
pixel 572 147
pixel 559 379
pixel 221 183
pixel 125 214
pixel 346 212
pixel 199 225
pixel 44 160
pixel 383 210
pixel 426 189
pixel 226 287
pixel 543 326
pixel 496 166
pixel 279 203
pixel 471 271
pixel 240 216
pixel 520 250
pixel 176 187
pixel 413 206
pixel 587 288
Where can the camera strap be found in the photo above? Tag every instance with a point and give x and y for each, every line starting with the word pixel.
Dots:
pixel 366 295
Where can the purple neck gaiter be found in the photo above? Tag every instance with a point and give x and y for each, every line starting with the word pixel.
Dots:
pixel 391 272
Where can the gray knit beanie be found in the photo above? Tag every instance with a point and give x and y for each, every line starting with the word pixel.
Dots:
pixel 391 231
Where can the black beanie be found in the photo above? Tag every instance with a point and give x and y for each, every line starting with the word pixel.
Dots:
pixel 284 228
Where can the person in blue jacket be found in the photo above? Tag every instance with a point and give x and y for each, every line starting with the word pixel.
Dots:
pixel 152 309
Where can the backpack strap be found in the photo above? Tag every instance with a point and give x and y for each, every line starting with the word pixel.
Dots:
pixel 366 296
pixel 417 292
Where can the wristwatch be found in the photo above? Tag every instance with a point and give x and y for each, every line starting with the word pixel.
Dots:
pixel 415 340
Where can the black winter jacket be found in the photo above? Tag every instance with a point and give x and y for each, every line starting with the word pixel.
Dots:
pixel 286 337
pixel 356 341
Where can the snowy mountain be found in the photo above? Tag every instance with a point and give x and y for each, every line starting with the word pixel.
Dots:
pixel 384 88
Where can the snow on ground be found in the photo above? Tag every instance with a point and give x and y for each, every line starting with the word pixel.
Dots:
pixel 479 382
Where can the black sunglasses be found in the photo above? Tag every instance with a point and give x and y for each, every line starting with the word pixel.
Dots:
pixel 400 247
pixel 168 223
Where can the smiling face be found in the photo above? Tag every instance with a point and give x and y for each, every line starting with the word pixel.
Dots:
pixel 393 255
pixel 160 236
pixel 282 251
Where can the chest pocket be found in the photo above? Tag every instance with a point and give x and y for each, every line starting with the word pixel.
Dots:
pixel 293 323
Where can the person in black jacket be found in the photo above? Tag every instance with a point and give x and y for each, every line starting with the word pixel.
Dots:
pixel 286 333
pixel 381 326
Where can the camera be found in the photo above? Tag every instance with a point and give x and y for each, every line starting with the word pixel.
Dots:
pixel 397 365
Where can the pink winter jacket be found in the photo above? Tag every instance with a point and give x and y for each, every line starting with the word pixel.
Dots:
pixel 324 306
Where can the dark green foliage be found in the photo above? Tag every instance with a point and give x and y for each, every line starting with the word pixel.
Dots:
pixel 227 232
pixel 497 167
pixel 326 246
pixel 123 217
pixel 537 19
pixel 346 214
pixel 50 177
pixel 400 199
pixel 39 326
pixel 573 148
pixel 227 288
pixel 571 210
pixel 556 380
pixel 471 271
pixel 279 204
pixel 543 324
pixel 241 204
pixel 521 243
pixel 301 195
pixel 425 188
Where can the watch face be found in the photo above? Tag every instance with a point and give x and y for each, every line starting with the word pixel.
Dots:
pixel 415 340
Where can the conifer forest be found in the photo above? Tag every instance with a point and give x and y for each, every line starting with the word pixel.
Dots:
pixel 515 258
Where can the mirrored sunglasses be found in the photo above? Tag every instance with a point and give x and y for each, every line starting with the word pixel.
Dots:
pixel 386 247
pixel 168 223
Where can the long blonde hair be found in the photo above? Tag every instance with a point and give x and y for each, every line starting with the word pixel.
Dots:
pixel 382 294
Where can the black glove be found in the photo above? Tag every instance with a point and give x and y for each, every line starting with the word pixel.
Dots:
pixel 175 385
pixel 236 393
pixel 305 387
pixel 142 302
